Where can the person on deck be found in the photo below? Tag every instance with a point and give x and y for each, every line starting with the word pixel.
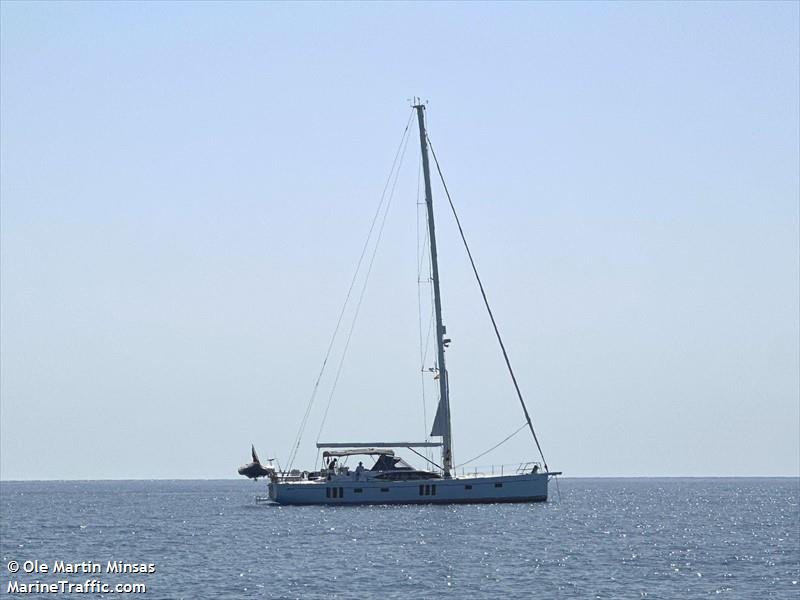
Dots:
pixel 359 471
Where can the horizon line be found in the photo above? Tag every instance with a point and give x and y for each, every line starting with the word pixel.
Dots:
pixel 559 476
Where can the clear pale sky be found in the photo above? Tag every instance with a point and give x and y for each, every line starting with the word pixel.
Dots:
pixel 186 187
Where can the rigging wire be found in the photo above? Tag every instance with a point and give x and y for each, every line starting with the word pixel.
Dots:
pixel 488 308
pixel 419 314
pixel 523 426
pixel 363 288
pixel 438 466
pixel 424 258
pixel 432 316
pixel 306 415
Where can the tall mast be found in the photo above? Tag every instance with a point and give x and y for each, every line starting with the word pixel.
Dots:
pixel 444 396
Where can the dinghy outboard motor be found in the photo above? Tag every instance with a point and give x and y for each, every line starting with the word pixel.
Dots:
pixel 255 469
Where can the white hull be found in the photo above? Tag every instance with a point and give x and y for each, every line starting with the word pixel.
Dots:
pixel 531 487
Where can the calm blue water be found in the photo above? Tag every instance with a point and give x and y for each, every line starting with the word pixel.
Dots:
pixel 625 538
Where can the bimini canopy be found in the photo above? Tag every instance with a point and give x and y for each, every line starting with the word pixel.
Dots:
pixel 360 451
pixel 373 445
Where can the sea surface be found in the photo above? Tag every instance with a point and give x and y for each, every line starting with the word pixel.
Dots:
pixel 596 538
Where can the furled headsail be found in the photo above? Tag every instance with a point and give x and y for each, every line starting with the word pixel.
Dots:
pixel 440 420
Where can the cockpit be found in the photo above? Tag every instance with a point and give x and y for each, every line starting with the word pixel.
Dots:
pixel 387 466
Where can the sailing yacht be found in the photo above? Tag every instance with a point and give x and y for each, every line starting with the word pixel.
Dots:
pixel 388 479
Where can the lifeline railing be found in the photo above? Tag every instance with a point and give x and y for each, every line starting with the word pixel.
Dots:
pixel 493 470
pixel 474 471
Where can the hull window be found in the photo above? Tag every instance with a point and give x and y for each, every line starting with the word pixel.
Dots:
pixel 433 490
pixel 384 489
pixel 327 492
pixel 498 485
pixel 341 492
pixel 467 487
pixel 358 490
